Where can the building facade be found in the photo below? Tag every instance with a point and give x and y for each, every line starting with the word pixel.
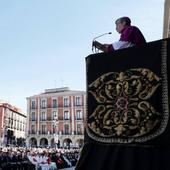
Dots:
pixel 166 25
pixel 56 118
pixel 12 123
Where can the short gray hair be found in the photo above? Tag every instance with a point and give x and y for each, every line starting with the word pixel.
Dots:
pixel 124 19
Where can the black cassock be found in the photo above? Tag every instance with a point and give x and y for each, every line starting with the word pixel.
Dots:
pixel 127 122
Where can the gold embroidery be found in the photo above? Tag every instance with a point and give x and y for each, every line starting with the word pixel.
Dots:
pixel 124 109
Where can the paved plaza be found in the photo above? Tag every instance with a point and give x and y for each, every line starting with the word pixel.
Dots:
pixel 72 168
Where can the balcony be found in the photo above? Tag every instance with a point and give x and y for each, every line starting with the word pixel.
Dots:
pixel 78 104
pixel 43 107
pixel 43 119
pixel 52 133
pixel 33 107
pixel 70 133
pixel 54 106
pixel 39 132
pixel 32 132
pixel 32 119
pixel 43 132
pixel 66 118
pixel 79 118
pixel 58 106
pixel 66 105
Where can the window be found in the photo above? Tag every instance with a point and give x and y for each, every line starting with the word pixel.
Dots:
pixel 32 129
pixel 66 129
pixel 43 104
pixel 33 104
pixel 20 126
pixel 53 128
pixel 66 115
pixel 78 101
pixel 78 114
pixel 66 102
pixel 17 125
pixel 54 115
pixel 14 116
pixel 43 116
pixel 54 103
pixel 43 129
pixel 79 129
pixel 33 116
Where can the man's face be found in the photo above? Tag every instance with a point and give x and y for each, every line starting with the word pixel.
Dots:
pixel 120 26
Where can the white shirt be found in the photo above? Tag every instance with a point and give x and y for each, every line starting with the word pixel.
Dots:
pixel 122 44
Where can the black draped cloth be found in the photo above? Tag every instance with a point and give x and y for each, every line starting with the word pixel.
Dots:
pixel 127 123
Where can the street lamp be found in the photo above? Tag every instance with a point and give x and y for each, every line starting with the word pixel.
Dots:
pixel 55 130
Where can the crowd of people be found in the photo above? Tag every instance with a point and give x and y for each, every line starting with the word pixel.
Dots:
pixel 21 158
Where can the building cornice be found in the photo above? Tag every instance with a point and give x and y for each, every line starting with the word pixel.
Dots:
pixel 65 93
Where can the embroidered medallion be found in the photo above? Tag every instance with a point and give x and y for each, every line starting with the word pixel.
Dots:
pixel 124 112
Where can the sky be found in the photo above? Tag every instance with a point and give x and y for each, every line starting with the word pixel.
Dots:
pixel 43 44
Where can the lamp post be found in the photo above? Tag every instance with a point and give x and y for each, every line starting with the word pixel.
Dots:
pixel 55 131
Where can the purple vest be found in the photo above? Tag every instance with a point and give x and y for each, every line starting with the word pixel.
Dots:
pixel 132 34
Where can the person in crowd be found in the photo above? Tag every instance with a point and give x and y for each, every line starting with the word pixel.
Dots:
pixel 22 158
pixel 52 165
pixel 59 161
pixel 34 159
pixel 66 159
pixel 42 160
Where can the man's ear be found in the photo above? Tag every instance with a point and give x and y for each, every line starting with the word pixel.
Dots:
pixel 124 23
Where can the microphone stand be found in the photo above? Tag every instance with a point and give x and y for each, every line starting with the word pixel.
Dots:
pixel 98 37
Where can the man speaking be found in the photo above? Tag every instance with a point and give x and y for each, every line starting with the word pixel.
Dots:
pixel 130 36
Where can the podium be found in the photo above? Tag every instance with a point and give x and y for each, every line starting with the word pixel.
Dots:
pixel 127 123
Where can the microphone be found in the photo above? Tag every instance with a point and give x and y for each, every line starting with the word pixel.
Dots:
pixel 102 35
pixel 99 37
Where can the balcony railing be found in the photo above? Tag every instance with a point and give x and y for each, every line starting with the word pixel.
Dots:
pixel 57 106
pixel 79 118
pixel 54 106
pixel 33 107
pixel 32 119
pixel 32 132
pixel 43 119
pixel 70 133
pixel 38 132
pixel 78 104
pixel 53 132
pixel 43 107
pixel 48 119
pixel 66 118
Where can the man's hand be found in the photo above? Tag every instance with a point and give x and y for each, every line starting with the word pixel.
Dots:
pixel 97 44
pixel 102 47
